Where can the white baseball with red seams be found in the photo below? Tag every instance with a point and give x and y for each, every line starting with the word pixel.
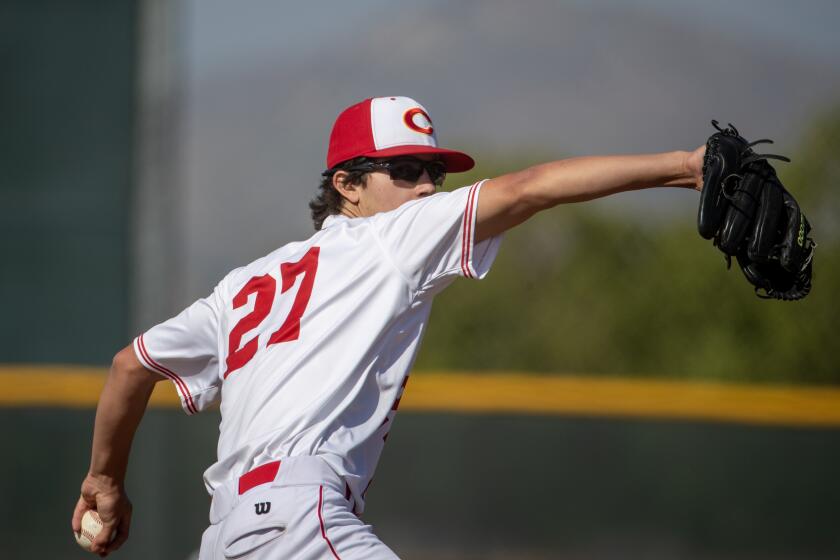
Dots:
pixel 91 527
pixel 308 351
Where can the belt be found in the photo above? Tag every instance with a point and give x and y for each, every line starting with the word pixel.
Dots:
pixel 290 471
pixel 260 475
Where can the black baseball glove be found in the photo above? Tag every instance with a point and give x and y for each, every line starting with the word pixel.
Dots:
pixel 750 215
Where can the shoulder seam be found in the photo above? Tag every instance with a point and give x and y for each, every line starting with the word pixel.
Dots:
pixel 475 186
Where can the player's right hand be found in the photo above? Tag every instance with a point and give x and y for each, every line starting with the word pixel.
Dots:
pixel 110 501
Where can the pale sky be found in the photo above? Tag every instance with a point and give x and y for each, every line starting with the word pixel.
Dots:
pixel 221 34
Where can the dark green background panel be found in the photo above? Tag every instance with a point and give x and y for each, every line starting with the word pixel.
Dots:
pixel 66 107
pixel 459 486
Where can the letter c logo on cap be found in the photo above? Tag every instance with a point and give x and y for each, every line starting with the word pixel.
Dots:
pixel 418 120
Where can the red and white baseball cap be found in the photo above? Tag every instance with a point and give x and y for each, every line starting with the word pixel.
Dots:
pixel 389 127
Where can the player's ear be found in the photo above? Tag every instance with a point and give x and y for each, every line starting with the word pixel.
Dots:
pixel 347 189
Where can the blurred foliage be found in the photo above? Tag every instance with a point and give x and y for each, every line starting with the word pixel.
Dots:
pixel 575 290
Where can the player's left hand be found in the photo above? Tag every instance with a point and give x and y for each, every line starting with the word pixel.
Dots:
pixel 114 508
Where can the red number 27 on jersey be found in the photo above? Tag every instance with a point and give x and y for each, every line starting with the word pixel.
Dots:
pixel 265 287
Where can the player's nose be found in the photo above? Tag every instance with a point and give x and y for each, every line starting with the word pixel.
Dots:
pixel 425 186
pixel 425 189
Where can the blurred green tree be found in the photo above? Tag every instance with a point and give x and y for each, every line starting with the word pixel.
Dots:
pixel 576 290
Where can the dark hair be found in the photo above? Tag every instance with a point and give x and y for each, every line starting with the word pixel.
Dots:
pixel 328 201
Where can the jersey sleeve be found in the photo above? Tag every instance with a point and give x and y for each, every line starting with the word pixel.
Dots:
pixel 185 349
pixel 432 240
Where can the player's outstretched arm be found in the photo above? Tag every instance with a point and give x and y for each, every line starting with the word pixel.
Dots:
pixel 121 407
pixel 509 200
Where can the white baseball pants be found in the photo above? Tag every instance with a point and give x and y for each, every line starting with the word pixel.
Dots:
pixel 296 510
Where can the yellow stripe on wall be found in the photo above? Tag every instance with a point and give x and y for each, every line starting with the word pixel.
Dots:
pixel 65 386
pixel 624 397
pixel 512 393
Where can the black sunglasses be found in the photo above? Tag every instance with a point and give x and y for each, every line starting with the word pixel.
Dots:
pixel 405 169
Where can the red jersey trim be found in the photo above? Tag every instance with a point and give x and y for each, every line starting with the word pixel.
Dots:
pixel 467 232
pixel 179 383
pixel 321 520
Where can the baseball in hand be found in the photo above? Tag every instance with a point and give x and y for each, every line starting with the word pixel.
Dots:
pixel 91 526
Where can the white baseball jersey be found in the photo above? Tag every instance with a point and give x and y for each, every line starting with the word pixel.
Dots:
pixel 309 348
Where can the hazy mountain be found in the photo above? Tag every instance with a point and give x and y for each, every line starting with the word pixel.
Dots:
pixel 497 77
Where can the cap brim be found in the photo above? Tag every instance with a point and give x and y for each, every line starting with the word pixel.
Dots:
pixel 455 161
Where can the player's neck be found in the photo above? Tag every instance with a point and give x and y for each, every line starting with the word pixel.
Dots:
pixel 353 210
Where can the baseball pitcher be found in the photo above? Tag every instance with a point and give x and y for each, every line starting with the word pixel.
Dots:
pixel 308 349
